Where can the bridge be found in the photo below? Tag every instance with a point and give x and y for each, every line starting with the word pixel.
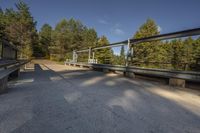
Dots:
pixel 50 97
pixel 175 78
pixel 57 97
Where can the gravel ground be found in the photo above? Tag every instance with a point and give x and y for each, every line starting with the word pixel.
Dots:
pixel 53 98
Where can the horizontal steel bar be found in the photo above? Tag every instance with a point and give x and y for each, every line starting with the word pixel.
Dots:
pixel 101 47
pixel 108 46
pixel 186 75
pixel 185 33
pixel 12 68
pixel 173 35
pixel 7 63
pixel 81 51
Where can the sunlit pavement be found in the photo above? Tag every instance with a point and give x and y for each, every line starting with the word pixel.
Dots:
pixel 53 98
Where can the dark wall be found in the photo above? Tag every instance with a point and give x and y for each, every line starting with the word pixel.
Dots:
pixel 7 51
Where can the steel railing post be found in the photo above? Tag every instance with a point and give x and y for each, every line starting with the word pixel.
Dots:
pixel 89 54
pixel 75 56
pixel 128 52
pixel 93 55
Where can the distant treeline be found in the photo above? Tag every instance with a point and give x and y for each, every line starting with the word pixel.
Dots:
pixel 179 54
pixel 19 27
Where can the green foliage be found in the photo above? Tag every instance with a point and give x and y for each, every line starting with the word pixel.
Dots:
pixel 103 55
pixel 2 24
pixel 196 48
pixel 149 28
pixel 19 27
pixel 45 41
pixel 122 56
pixel 177 52
pixel 71 35
pixel 174 54
pixel 119 59
pixel 146 52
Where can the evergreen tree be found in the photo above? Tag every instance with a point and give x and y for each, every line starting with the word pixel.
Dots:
pixel 188 57
pixel 166 55
pixel 196 49
pixel 20 28
pixel 61 39
pixel 45 40
pixel 11 26
pixel 2 24
pixel 196 54
pixel 89 38
pixel 122 56
pixel 103 55
pixel 146 52
pixel 177 52
pixel 72 35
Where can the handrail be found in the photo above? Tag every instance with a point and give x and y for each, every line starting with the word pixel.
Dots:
pixel 179 34
pixel 8 63
pixel 14 62
pixel 173 35
pixel 164 73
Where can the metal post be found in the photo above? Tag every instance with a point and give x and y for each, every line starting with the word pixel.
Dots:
pixel 89 54
pixel 93 55
pixel 128 52
pixel 74 56
pixel 132 54
pixel 21 54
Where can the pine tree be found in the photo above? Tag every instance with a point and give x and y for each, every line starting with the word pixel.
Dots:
pixel 146 52
pixel 72 35
pixel 122 56
pixel 45 40
pixel 61 38
pixel 188 57
pixel 20 28
pixel 177 52
pixel 196 54
pixel 103 55
pixel 2 24
pixel 90 38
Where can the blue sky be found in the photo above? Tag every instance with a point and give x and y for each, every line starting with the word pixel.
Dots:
pixel 117 19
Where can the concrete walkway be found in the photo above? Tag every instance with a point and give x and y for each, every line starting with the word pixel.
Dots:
pixel 54 98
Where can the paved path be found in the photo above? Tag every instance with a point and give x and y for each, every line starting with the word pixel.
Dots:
pixel 55 98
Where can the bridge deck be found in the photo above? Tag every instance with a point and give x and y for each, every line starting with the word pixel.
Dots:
pixel 55 98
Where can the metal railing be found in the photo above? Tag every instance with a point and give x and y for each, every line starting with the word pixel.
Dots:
pixel 159 73
pixel 187 75
pixel 130 42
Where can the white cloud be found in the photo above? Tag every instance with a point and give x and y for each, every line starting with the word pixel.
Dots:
pixel 102 21
pixel 159 28
pixel 118 31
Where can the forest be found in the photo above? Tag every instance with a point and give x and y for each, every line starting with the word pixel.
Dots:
pixel 19 28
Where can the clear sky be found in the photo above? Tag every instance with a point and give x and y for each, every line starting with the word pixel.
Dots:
pixel 117 19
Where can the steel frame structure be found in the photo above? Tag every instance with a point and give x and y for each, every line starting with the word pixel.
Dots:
pixel 130 42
